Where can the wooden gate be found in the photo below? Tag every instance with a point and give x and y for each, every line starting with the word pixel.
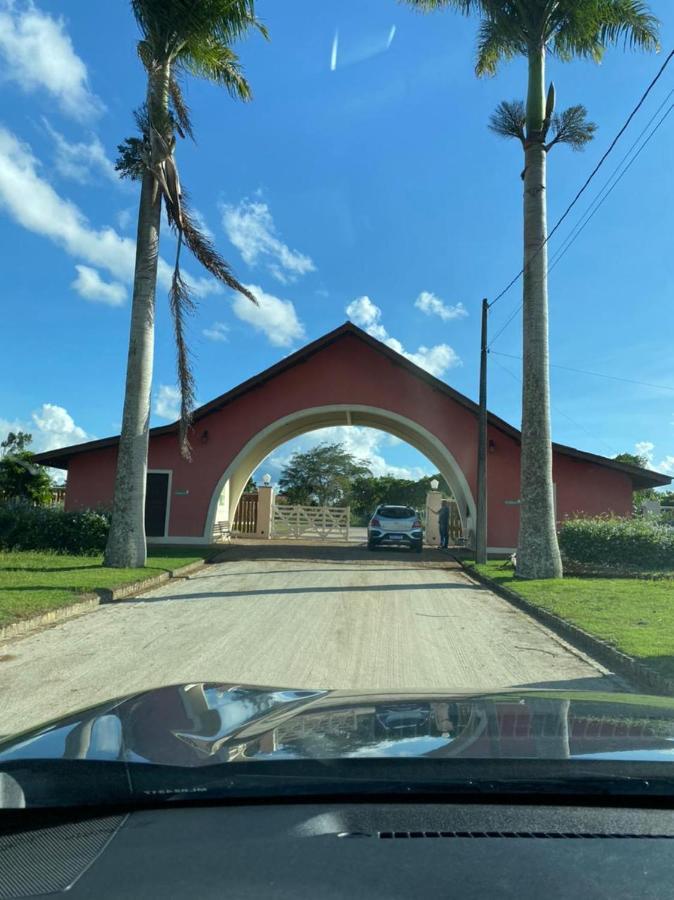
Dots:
pixel 455 527
pixel 245 517
pixel 322 522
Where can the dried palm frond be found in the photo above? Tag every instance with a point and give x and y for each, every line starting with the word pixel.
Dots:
pixel 509 119
pixel 181 111
pixel 572 127
pixel 182 304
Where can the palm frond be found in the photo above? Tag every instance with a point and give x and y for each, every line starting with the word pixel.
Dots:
pixel 509 120
pixel 180 109
pixel 587 29
pixel 202 248
pixel 497 40
pixel 463 6
pixel 572 127
pixel 181 305
pixel 215 61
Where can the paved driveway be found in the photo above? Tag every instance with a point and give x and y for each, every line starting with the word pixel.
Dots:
pixel 296 617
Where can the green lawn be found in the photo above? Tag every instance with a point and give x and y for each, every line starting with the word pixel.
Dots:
pixel 36 582
pixel 636 615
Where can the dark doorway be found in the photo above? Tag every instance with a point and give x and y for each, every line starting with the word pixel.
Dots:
pixel 156 500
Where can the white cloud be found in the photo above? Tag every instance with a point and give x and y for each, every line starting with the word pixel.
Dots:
pixel 436 360
pixel 55 428
pixel 80 160
pixel 37 53
pixel 167 402
pixel 202 224
pixel 33 203
pixel 91 286
pixel 364 443
pixel 428 303
pixel 217 332
pixel 276 318
pixel 645 448
pixel 667 465
pixel 125 217
pixel 250 227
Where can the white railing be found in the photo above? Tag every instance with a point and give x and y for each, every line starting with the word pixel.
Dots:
pixel 322 522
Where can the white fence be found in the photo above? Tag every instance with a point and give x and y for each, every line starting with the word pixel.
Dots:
pixel 322 522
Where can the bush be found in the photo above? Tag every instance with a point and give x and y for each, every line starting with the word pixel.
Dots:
pixel 606 540
pixel 26 527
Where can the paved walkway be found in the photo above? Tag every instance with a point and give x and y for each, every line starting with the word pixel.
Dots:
pixel 296 617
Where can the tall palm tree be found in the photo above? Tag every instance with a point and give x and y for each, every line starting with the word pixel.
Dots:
pixel 533 28
pixel 178 38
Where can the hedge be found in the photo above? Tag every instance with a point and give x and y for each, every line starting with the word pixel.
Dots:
pixel 609 540
pixel 26 527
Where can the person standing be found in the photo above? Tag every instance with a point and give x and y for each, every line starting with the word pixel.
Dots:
pixel 443 523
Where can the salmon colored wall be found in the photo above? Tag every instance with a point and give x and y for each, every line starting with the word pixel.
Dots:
pixel 346 372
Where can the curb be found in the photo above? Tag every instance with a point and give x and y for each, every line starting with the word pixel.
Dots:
pixel 641 675
pixel 93 599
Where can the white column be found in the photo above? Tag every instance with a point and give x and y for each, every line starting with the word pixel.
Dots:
pixel 432 533
pixel 265 510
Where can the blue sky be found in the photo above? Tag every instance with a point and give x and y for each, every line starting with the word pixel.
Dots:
pixel 362 176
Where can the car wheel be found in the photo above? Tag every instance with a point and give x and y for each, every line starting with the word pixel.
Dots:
pixel 419 547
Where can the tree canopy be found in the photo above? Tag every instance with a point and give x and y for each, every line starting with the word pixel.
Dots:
pixel 321 476
pixel 20 477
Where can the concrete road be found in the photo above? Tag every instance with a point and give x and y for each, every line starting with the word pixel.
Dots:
pixel 298 617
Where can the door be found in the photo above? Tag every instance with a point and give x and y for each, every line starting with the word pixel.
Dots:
pixel 156 503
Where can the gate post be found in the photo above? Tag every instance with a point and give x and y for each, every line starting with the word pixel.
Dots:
pixel 265 510
pixel 432 533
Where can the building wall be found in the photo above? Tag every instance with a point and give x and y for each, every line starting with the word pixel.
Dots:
pixel 346 372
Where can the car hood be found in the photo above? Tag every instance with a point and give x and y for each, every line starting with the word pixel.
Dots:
pixel 207 723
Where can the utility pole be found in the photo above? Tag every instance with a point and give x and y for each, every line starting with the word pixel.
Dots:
pixel 481 523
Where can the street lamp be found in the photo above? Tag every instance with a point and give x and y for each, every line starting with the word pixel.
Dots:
pixel 266 480
pixel 435 484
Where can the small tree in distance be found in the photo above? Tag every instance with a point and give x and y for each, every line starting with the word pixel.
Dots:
pixel 20 477
pixel 322 476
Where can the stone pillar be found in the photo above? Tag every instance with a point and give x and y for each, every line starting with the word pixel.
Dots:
pixel 432 533
pixel 265 510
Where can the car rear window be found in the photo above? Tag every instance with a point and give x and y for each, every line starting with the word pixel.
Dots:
pixel 396 512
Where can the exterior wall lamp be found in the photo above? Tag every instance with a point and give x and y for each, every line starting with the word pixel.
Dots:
pixel 204 436
pixel 266 480
pixel 435 484
pixel 492 447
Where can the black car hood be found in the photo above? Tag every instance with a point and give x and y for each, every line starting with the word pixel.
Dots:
pixel 201 724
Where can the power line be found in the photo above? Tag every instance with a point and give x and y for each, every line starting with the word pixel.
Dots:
pixel 565 248
pixel 597 200
pixel 559 412
pixel 590 176
pixel 662 387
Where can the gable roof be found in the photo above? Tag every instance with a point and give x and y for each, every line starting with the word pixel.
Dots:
pixel 641 478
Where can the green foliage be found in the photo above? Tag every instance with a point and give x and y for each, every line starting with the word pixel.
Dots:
pixel 368 492
pixel 27 527
pixel 20 478
pixel 607 540
pixel 321 476
pixel 638 497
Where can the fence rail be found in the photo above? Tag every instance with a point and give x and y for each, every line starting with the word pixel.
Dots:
pixel 322 522
pixel 245 518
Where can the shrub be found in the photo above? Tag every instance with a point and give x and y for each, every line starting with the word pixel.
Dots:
pixel 26 527
pixel 607 540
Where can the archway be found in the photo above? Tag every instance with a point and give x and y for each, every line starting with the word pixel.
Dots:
pixel 233 480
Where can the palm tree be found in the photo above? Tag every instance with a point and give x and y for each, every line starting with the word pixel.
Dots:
pixel 178 38
pixel 533 28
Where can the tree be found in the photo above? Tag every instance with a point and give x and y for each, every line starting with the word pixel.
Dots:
pixel 322 476
pixel 638 497
pixel 368 492
pixel 178 38
pixel 533 28
pixel 20 477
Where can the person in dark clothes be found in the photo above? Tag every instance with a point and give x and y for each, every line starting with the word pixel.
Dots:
pixel 443 523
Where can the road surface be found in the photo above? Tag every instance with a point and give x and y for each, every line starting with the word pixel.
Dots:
pixel 305 618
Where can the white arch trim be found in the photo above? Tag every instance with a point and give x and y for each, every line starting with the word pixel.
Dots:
pixel 284 429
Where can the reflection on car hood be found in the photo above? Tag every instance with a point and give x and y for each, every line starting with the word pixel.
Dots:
pixel 206 723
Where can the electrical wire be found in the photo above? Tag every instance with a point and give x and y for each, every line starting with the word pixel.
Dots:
pixel 662 387
pixel 590 177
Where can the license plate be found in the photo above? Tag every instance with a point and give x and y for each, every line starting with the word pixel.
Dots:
pixel 396 537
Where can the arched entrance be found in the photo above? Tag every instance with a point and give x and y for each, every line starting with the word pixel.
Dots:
pixel 228 490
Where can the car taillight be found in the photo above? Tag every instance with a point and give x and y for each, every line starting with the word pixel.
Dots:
pixel 417 523
pixel 375 522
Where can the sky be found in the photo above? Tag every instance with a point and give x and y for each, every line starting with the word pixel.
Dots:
pixel 360 183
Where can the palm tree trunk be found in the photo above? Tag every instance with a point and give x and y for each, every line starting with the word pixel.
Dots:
pixel 126 544
pixel 538 552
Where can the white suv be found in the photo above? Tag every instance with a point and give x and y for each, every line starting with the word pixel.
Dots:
pixel 395 525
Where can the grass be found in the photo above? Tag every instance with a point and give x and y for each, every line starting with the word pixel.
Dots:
pixel 33 582
pixel 635 615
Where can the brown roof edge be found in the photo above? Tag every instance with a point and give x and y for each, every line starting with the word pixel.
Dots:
pixel 640 477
